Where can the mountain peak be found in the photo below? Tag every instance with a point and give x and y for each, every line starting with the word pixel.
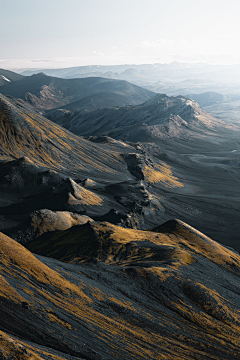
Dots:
pixel 39 74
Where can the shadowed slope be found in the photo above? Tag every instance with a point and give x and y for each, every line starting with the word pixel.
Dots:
pixel 146 296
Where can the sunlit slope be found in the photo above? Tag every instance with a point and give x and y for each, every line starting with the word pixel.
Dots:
pixel 146 295
pixel 13 348
pixel 25 133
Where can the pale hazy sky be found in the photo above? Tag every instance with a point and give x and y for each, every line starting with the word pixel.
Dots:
pixel 61 33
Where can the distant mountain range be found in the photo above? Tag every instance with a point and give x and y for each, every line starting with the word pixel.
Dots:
pixel 42 92
pixel 201 82
pixel 151 71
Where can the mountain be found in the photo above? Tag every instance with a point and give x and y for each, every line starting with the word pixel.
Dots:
pixel 202 150
pixel 173 79
pixel 94 102
pixel 7 76
pixel 120 293
pixel 159 119
pixel 41 92
pixel 173 70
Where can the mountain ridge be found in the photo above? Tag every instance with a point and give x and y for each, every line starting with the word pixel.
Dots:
pixel 159 118
pixel 42 92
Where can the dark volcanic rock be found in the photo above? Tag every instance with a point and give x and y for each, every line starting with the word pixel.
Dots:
pixel 23 176
pixel 44 221
pixel 198 192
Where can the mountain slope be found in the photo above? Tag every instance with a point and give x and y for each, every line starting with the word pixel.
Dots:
pixel 43 166
pixel 143 295
pixel 42 92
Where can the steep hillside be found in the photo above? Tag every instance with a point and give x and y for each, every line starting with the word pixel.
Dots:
pixel 141 295
pixel 42 92
pixel 46 167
